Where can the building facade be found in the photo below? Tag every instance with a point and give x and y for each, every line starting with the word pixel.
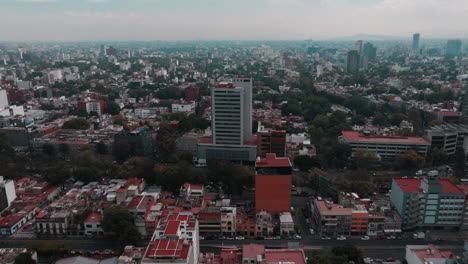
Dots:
pixel 387 147
pixel 428 203
pixel 273 184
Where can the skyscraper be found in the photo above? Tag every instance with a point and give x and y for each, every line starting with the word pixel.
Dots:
pixel 370 51
pixel 352 62
pixel 3 99
pixel 358 46
pixel 231 119
pixel 416 41
pixel 454 47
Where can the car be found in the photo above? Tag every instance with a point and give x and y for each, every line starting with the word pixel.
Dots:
pixel 341 238
pixel 202 238
pixel 381 237
pixel 391 237
pixel 269 238
pixel 240 238
pixel 365 238
pixel 277 237
pixel 325 238
pixel 297 237
pixel 222 237
pixel 311 231
pixel 230 238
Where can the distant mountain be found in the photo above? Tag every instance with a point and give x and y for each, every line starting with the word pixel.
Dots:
pixel 371 37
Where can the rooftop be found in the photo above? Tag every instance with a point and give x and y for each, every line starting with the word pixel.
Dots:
pixel 354 136
pixel 93 218
pixel 252 250
pixel 413 185
pixel 167 248
pixel 272 161
pixel 295 256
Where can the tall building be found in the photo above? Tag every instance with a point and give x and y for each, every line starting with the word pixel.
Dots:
pixel 352 62
pixel 3 99
pixel 358 46
pixel 369 51
pixel 454 47
pixel 428 203
pixel 7 193
pixel 273 184
pixel 247 84
pixel 416 41
pixel 231 123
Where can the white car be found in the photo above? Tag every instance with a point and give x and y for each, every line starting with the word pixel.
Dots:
pixel 297 237
pixel 341 238
pixel 391 237
pixel 365 238
pixel 311 231
pixel 240 238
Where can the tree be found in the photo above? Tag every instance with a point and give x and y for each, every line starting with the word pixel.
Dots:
pixel 76 123
pixel 305 163
pixel 359 120
pixel 396 118
pixel 460 163
pixel 48 149
pixel 24 258
pixel 118 222
pixel 409 159
pixel 63 149
pixel 365 159
pixel 58 175
pixel 121 150
pixel 438 156
pixel 142 167
pixel 170 177
pixel 111 108
pixel 85 174
pixel 380 120
pixel 350 252
pixel 101 148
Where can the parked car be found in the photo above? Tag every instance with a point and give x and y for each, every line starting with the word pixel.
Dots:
pixel 240 238
pixel 311 231
pixel 277 237
pixel 230 238
pixel 325 238
pixel 381 237
pixel 391 237
pixel 202 238
pixel 341 238
pixel 297 237
pixel 365 238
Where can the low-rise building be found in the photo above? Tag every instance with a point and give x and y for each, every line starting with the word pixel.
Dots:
pixel 423 254
pixel 286 224
pixel 387 147
pixel 92 225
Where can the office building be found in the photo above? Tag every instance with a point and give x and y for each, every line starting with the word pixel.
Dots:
pixel 448 137
pixel 428 203
pixel 273 184
pixel 454 47
pixel 352 62
pixel 369 51
pixel 3 99
pixel 231 123
pixel 7 193
pixel 358 46
pixel 271 141
pixel 415 46
pixel 91 105
pixel 387 147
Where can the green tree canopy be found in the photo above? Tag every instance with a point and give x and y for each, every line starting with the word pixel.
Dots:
pixel 118 221
pixel 76 123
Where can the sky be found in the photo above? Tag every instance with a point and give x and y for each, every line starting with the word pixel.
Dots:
pixel 113 20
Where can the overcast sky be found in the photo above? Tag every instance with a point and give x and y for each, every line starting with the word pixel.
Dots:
pixel 228 19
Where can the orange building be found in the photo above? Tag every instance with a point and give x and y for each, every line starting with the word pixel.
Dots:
pixel 273 184
pixel 359 222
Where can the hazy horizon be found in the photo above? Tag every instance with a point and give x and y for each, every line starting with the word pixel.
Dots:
pixel 173 20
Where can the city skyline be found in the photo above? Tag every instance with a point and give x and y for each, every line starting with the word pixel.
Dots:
pixel 113 20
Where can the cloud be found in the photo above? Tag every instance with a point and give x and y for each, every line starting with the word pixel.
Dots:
pixel 90 14
pixel 36 1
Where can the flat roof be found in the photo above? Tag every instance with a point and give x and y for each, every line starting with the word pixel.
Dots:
pixel 93 218
pixel 167 248
pixel 413 185
pixel 295 256
pixel 271 160
pixel 171 228
pixel 354 136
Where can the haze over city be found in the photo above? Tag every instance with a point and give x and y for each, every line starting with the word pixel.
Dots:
pixel 84 20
